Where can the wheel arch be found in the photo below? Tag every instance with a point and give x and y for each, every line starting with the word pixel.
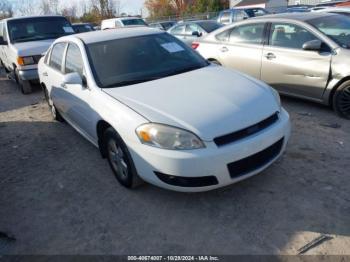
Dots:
pixel 101 127
pixel 336 86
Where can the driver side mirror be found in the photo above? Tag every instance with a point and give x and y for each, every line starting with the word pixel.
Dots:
pixel 196 33
pixel 313 45
pixel 72 79
pixel 2 41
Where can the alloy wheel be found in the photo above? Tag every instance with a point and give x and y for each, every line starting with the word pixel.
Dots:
pixel 118 159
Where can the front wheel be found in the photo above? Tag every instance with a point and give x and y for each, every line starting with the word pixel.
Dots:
pixel 120 160
pixel 24 85
pixel 341 100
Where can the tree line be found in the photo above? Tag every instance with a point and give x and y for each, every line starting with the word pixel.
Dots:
pixel 166 8
pixel 92 11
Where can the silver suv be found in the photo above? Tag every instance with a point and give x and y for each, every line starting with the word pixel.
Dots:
pixel 301 54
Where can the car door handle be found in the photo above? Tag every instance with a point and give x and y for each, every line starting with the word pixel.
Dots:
pixel 224 49
pixel 270 56
pixel 45 74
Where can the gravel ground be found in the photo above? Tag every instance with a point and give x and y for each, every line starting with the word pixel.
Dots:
pixel 57 196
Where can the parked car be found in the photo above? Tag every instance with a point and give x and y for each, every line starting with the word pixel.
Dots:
pixel 302 54
pixel 23 40
pixel 191 31
pixel 297 9
pixel 122 22
pixel 230 16
pixel 163 25
pixel 160 112
pixel 83 27
pixel 336 10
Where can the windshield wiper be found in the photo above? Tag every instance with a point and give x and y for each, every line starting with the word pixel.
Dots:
pixel 182 70
pixel 132 82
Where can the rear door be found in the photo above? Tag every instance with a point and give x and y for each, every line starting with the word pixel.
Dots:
pixel 289 68
pixel 53 76
pixel 242 48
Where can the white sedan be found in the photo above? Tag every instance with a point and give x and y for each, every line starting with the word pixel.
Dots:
pixel 161 113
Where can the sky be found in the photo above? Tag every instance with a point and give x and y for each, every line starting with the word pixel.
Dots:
pixel 132 7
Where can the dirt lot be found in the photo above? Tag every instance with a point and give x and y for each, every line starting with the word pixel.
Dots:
pixel 57 196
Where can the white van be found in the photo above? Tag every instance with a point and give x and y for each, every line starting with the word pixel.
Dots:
pixel 23 40
pixel 122 22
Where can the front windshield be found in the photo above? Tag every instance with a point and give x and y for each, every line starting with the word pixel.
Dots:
pixel 139 59
pixel 39 28
pixel 127 22
pixel 336 27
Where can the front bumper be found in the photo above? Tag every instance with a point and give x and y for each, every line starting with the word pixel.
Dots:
pixel 210 161
pixel 29 74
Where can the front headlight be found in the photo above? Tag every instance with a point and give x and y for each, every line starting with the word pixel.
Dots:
pixel 168 137
pixel 23 61
pixel 277 97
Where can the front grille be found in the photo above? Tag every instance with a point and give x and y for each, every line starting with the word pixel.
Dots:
pixel 37 58
pixel 256 161
pixel 232 137
pixel 187 181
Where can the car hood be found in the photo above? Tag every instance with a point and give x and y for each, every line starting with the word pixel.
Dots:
pixel 32 47
pixel 210 102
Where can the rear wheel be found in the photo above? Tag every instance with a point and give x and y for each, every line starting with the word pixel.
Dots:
pixel 341 100
pixel 24 85
pixel 120 159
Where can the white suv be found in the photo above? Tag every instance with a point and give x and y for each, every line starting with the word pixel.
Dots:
pixel 23 40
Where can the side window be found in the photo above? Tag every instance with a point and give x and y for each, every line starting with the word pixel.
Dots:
pixel 178 30
pixel 240 15
pixel 57 56
pixel 248 34
pixel 46 59
pixel 74 60
pixel 225 17
pixel 223 36
pixel 1 29
pixel 190 28
pixel 289 36
pixel 5 33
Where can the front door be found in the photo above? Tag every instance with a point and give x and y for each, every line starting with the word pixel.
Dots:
pixel 289 68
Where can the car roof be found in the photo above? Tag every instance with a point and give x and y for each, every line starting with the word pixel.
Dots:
pixel 294 16
pixel 112 34
pixel 29 17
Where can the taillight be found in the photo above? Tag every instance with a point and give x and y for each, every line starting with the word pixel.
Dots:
pixel 195 45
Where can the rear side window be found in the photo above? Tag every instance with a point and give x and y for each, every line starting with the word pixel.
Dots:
pixel 1 29
pixel 57 56
pixel 74 60
pixel 248 34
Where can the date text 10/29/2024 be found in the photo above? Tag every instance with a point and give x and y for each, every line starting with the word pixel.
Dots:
pixel 173 258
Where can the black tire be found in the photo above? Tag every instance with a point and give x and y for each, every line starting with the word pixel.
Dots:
pixel 341 100
pixel 120 160
pixel 55 114
pixel 24 86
